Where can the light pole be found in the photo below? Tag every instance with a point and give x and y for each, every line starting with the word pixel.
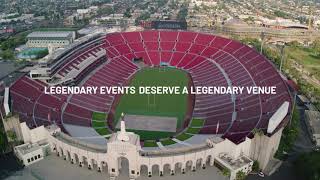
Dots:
pixel 282 55
pixel 294 106
pixel 262 36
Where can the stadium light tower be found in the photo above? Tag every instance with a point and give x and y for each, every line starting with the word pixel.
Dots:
pixel 282 47
pixel 262 36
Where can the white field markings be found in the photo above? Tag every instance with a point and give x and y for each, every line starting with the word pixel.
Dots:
pixel 181 142
pixel 160 145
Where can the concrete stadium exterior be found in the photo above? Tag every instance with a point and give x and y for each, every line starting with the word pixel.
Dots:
pixel 126 146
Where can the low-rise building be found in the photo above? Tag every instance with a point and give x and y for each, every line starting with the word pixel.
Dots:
pixel 29 153
pixel 56 39
pixel 234 165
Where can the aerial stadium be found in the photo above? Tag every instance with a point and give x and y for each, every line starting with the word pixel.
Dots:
pixel 153 134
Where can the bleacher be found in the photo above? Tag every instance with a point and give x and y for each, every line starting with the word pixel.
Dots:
pixel 199 54
pixel 210 60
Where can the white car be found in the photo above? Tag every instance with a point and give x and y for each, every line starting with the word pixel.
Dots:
pixel 261 174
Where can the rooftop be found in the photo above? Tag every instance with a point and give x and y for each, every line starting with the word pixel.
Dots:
pixel 78 42
pixel 80 144
pixel 314 120
pixel 175 151
pixel 27 148
pixel 233 163
pixel 50 34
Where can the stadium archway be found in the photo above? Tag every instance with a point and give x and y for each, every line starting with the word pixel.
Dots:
pixel 123 166
pixel 189 165
pixel 166 169
pixel 178 167
pixel 155 169
pixel 143 170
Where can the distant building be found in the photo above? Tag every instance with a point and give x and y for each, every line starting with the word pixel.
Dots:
pixel 113 20
pixel 280 23
pixel 6 30
pixel 10 18
pixel 69 21
pixel 54 38
pixel 200 20
pixel 203 2
pixel 86 13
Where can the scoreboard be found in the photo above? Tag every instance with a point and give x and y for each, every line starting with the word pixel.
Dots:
pixel 169 25
pixel 182 25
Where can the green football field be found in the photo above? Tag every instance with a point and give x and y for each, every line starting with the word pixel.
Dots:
pixel 155 105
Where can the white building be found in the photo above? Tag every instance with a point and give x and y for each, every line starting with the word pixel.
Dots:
pixel 23 17
pixel 56 39
pixel 125 146
pixel 29 153
pixel 203 2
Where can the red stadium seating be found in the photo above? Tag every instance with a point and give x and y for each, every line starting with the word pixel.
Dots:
pixel 210 60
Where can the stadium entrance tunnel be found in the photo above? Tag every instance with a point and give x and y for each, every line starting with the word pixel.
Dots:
pixel 123 166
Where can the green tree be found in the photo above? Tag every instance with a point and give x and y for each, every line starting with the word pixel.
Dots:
pixel 289 135
pixel 255 166
pixel 105 11
pixel 307 166
pixel 316 47
pixel 3 140
pixel 12 135
pixel 226 172
pixel 127 13
pixel 293 44
pixel 144 16
pixel 7 54
pixel 282 14
pixel 183 13
pixel 258 133
pixel 241 175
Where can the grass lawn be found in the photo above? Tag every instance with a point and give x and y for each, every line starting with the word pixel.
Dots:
pixel 195 126
pixel 167 142
pixel 150 143
pixel 183 136
pixel 197 123
pixel 99 116
pixel 99 123
pixel 103 131
pixel 307 58
pixel 155 105
pixel 193 130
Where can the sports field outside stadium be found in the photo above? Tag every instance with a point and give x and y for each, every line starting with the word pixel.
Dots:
pixel 165 105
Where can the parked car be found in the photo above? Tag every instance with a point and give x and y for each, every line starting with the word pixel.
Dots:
pixel 261 174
